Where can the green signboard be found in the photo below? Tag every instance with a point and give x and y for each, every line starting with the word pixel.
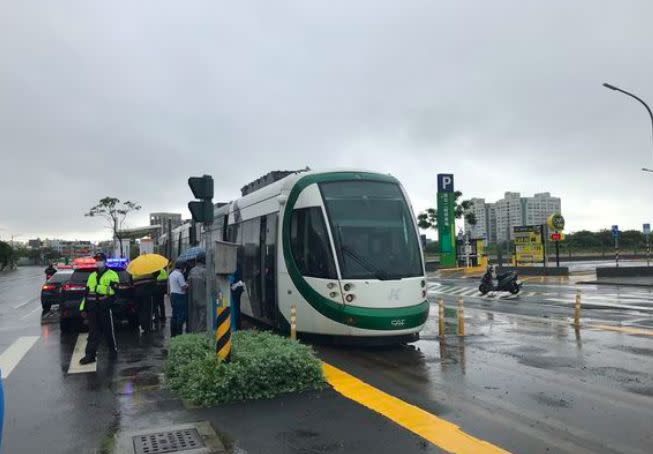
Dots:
pixel 446 220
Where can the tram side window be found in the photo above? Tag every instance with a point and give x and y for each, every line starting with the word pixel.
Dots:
pixel 310 243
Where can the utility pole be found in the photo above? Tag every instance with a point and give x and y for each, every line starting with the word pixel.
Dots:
pixel 616 250
pixel 202 211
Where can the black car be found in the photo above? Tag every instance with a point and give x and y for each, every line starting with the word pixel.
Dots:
pixel 72 293
pixel 124 306
pixel 51 292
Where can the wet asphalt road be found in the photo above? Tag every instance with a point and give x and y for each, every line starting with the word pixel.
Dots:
pixel 47 409
pixel 522 378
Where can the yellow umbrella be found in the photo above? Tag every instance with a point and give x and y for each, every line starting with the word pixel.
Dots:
pixel 146 264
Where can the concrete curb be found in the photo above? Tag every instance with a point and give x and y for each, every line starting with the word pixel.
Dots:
pixel 620 284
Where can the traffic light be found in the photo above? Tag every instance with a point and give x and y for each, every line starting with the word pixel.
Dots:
pixel 202 187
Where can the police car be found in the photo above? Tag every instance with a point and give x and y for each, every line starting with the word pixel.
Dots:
pixel 73 291
pixel 125 306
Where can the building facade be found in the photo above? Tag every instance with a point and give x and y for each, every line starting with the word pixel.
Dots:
pixel 480 229
pixel 163 218
pixel 495 221
pixel 66 248
pixel 509 213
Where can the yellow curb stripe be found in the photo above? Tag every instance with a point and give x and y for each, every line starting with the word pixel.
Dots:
pixel 441 433
pixel 623 329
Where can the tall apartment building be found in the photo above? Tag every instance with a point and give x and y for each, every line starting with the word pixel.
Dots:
pixel 539 207
pixel 481 228
pixel 509 212
pixel 495 221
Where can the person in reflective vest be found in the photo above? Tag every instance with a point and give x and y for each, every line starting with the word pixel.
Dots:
pixel 161 290
pixel 100 291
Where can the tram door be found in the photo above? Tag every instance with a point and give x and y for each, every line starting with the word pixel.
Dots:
pixel 267 249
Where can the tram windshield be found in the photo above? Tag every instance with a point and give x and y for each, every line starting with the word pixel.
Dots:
pixel 373 230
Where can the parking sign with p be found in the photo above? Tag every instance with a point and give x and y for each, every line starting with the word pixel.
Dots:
pixel 445 182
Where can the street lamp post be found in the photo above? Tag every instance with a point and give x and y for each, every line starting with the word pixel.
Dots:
pixel 648 109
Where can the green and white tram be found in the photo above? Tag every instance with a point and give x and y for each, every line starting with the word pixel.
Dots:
pixel 342 246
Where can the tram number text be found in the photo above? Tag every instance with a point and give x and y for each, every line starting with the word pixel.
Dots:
pixel 398 322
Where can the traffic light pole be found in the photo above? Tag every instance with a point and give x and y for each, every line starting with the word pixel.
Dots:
pixel 209 295
pixel 202 211
pixel 557 254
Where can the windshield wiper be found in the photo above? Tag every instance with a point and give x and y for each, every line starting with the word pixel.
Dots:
pixel 378 273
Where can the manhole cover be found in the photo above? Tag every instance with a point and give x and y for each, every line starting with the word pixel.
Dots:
pixel 168 441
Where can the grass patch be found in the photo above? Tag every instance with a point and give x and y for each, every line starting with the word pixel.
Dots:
pixel 263 365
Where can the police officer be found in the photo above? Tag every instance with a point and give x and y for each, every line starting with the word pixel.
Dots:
pixel 100 290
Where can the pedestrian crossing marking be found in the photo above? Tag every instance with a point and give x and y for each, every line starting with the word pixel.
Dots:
pixel 10 358
pixel 636 301
pixel 78 353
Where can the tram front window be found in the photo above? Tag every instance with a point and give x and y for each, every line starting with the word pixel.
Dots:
pixel 373 230
pixel 309 242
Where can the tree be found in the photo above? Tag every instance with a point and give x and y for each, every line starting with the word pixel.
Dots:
pixel 114 212
pixel 428 219
pixel 6 254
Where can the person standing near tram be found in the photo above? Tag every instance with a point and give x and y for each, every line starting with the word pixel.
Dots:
pixel 100 293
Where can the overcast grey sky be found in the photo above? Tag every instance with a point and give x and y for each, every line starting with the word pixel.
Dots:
pixel 130 98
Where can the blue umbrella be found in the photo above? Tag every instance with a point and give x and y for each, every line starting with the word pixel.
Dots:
pixel 191 254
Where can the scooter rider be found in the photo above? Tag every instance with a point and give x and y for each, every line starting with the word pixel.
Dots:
pixel 100 292
pixel 49 271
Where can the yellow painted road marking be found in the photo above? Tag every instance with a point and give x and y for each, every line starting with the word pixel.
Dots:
pixel 78 353
pixel 441 433
pixel 623 329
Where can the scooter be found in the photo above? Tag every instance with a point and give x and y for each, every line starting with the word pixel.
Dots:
pixel 506 282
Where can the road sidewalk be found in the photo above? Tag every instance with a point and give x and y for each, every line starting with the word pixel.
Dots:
pixel 639 281
pixel 318 421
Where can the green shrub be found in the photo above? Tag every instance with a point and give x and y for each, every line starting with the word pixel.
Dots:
pixel 263 365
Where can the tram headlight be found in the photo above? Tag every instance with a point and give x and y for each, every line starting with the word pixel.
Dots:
pixel 333 294
pixel 350 297
pixel 423 283
pixel 348 287
pixel 423 293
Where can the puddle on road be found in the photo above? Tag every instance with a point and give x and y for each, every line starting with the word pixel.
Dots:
pixel 548 362
pixel 635 350
pixel 551 401
pixel 643 390
pixel 134 371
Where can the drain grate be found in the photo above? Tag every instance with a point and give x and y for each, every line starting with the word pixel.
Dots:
pixel 168 441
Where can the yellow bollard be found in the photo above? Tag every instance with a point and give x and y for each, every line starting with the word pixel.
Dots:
pixel 293 322
pixel 441 319
pixel 461 318
pixel 223 333
pixel 577 309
